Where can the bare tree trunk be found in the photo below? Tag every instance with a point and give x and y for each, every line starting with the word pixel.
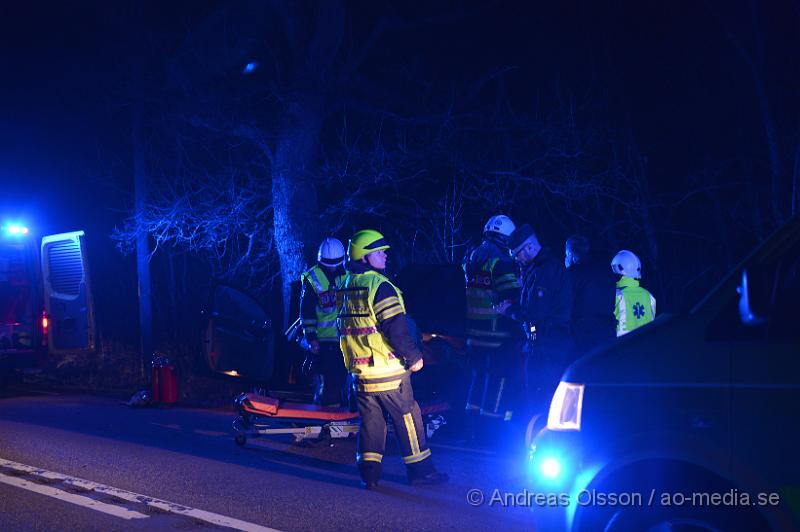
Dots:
pixel 648 226
pixel 173 295
pixel 140 179
pixel 768 119
pixel 796 180
pixel 772 149
pixel 638 171
pixel 755 62
pixel 142 241
pixel 294 197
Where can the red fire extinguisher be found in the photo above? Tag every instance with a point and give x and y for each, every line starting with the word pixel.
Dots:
pixel 168 383
pixel 164 381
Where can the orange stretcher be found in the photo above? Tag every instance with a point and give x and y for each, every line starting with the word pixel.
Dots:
pixel 260 415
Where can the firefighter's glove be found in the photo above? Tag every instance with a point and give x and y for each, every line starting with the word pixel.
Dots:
pixel 313 346
pixel 502 307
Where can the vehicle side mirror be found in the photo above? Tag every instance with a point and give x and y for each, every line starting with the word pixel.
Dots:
pixel 749 312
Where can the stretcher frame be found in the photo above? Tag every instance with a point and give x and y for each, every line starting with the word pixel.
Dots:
pixel 260 415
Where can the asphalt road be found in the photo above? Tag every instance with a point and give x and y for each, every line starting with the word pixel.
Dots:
pixel 70 462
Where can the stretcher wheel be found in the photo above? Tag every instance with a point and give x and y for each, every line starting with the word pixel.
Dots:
pixel 240 423
pixel 240 440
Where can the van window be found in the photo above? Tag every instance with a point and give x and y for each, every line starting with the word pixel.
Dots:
pixel 774 279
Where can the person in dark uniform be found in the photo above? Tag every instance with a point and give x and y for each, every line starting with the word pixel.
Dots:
pixel 593 320
pixel 545 310
pixel 380 353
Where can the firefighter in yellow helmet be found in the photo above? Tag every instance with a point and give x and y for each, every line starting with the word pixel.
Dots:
pixel 381 354
pixel 318 318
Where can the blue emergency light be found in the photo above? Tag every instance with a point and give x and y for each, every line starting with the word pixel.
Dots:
pixel 550 467
pixel 547 467
pixel 15 230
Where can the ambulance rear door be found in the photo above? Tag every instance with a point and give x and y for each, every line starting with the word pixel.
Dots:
pixel 67 293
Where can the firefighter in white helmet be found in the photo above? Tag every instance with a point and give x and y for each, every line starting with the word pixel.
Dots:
pixel 634 305
pixel 318 318
pixel 493 340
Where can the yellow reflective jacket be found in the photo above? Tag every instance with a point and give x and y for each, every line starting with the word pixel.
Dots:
pixel 323 324
pixel 367 353
pixel 491 277
pixel 634 306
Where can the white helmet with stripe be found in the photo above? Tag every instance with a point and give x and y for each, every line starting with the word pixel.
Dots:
pixel 499 224
pixel 331 252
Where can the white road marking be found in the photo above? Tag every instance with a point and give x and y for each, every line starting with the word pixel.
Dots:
pixel 209 517
pixel 173 426
pixel 211 432
pixel 80 500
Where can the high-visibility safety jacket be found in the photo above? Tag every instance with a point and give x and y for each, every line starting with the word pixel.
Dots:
pixel 367 353
pixel 491 277
pixel 323 324
pixel 634 306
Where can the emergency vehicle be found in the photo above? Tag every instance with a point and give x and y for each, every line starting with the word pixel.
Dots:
pixel 45 297
pixel 690 422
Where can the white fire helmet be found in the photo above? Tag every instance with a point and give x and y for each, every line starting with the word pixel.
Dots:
pixel 331 252
pixel 627 263
pixel 500 224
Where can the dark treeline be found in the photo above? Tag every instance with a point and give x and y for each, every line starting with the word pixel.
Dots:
pixel 672 130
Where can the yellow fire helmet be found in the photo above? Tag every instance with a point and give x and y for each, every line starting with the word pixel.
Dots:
pixel 365 242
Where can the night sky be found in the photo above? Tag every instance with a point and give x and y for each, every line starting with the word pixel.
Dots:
pixel 63 126
pixel 669 72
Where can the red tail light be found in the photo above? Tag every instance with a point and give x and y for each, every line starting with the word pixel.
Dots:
pixel 45 324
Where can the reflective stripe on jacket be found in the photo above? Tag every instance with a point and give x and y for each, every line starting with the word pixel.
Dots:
pixel 326 310
pixel 481 293
pixel 634 306
pixel 484 288
pixel 367 353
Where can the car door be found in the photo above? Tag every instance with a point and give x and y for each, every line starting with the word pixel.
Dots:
pixel 766 375
pixel 67 293
pixel 756 320
pixel 238 338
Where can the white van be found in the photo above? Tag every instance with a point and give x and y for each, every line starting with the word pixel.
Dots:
pixel 45 298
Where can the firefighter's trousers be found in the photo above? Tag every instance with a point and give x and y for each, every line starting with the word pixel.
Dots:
pixel 494 382
pixel 408 425
pixel 331 382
